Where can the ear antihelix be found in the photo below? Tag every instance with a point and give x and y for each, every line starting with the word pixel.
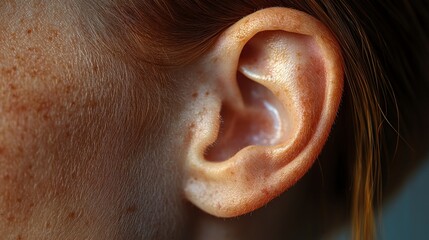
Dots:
pixel 290 65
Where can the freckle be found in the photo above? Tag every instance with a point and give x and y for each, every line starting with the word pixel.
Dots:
pixel 29 31
pixel 21 108
pixel 6 177
pixel 10 218
pixel 207 93
pixel 48 225
pixel 19 200
pixel 72 215
pixel 44 106
pixel 6 71
pixel 33 73
pixel 192 126
pixel 46 117
pixel 132 209
pixel 265 192
pixel 19 237
pixel 2 150
pixel 55 32
pixel 194 95
pixel 92 104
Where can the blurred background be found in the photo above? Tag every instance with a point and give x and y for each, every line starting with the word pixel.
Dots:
pixel 406 214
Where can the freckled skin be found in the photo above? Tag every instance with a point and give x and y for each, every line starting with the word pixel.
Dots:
pixel 66 133
pixel 41 109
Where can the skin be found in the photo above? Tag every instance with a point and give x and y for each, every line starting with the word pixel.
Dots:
pixel 92 147
pixel 74 158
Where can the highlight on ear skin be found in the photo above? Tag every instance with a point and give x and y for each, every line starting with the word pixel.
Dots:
pixel 261 121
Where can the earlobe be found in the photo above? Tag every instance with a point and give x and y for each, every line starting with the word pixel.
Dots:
pixel 276 82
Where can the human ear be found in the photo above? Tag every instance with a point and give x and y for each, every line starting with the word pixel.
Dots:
pixel 268 94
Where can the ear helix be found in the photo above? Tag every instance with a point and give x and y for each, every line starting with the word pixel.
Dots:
pixel 276 84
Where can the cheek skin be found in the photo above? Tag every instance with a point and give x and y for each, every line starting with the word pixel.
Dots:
pixel 75 160
pixel 63 170
pixel 47 117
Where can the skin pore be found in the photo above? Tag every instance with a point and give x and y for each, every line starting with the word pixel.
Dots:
pixel 91 146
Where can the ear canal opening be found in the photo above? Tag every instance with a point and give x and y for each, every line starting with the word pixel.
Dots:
pixel 260 121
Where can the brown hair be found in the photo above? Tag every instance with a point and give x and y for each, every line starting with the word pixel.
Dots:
pixel 380 44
